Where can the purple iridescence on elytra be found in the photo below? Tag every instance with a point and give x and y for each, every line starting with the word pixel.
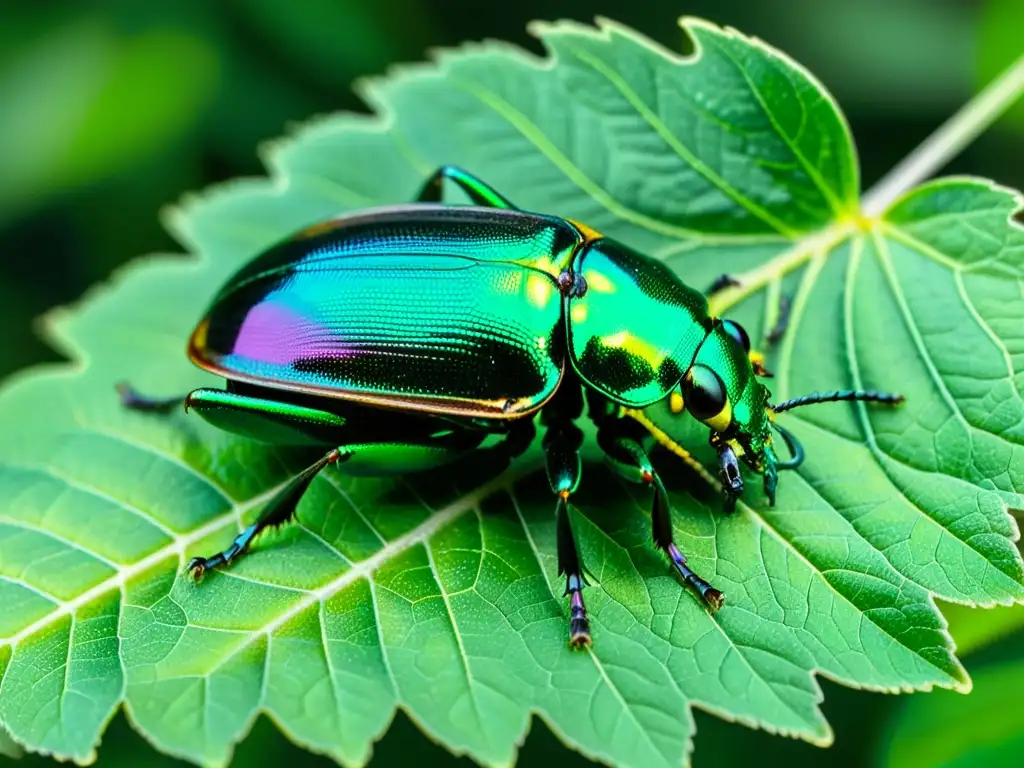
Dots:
pixel 480 323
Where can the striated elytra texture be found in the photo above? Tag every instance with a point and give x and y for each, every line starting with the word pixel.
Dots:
pixel 452 309
pixel 439 594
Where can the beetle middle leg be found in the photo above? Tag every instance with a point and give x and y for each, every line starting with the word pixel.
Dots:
pixel 621 439
pixel 479 192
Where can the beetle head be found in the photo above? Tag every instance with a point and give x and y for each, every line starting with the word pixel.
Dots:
pixel 720 389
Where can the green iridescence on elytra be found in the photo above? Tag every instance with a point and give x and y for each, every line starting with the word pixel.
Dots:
pixel 403 338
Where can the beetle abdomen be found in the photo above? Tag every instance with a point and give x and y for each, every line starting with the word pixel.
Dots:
pixel 430 314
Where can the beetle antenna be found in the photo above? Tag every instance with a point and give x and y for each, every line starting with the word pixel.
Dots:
pixel 861 395
pixel 796 451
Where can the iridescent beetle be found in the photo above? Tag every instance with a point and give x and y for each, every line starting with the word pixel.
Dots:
pixel 401 338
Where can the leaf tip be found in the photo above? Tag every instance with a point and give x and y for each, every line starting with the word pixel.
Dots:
pixel 963 685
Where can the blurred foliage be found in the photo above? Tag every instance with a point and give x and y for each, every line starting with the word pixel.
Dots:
pixel 974 629
pixel 983 728
pixel 1000 40
pixel 110 109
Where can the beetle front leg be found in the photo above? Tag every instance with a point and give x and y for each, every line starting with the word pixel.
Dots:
pixel 729 473
pixel 479 192
pixel 620 439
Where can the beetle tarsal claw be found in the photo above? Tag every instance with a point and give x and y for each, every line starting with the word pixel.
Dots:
pixel 196 567
pixel 714 598
pixel 580 640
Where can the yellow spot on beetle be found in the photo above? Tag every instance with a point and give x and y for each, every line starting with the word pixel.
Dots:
pixel 618 339
pixel 721 420
pixel 598 281
pixel 636 347
pixel 589 233
pixel 676 402
pixel 197 344
pixel 538 290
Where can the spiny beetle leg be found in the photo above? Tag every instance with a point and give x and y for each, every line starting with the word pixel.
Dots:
pixel 771 475
pixel 569 566
pixel 479 192
pixel 278 511
pixel 629 459
pixel 721 283
pixel 561 444
pixel 131 399
pixel 561 451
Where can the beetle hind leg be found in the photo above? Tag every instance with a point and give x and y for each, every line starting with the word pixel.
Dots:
pixel 569 566
pixel 280 509
pixel 479 192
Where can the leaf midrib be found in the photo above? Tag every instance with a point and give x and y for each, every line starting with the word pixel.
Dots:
pixel 366 568
pixel 838 208
pixel 528 129
pixel 681 150
pixel 124 574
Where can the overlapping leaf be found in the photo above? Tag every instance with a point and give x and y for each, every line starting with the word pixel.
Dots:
pixel 439 594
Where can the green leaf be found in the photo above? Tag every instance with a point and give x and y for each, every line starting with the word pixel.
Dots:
pixel 948 730
pixel 8 747
pixel 440 594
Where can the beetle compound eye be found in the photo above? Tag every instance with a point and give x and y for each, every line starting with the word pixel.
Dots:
pixel 735 330
pixel 706 399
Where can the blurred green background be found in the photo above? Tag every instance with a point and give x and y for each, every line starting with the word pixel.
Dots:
pixel 111 109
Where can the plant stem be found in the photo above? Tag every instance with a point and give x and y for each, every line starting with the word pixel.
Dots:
pixel 948 141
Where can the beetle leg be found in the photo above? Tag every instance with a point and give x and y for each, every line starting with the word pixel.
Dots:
pixel 620 440
pixel 721 283
pixel 134 401
pixel 729 473
pixel 562 461
pixel 781 322
pixel 419 452
pixel 479 192
pixel 561 444
pixel 278 511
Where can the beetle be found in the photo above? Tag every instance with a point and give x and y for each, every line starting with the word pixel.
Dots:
pixel 401 338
